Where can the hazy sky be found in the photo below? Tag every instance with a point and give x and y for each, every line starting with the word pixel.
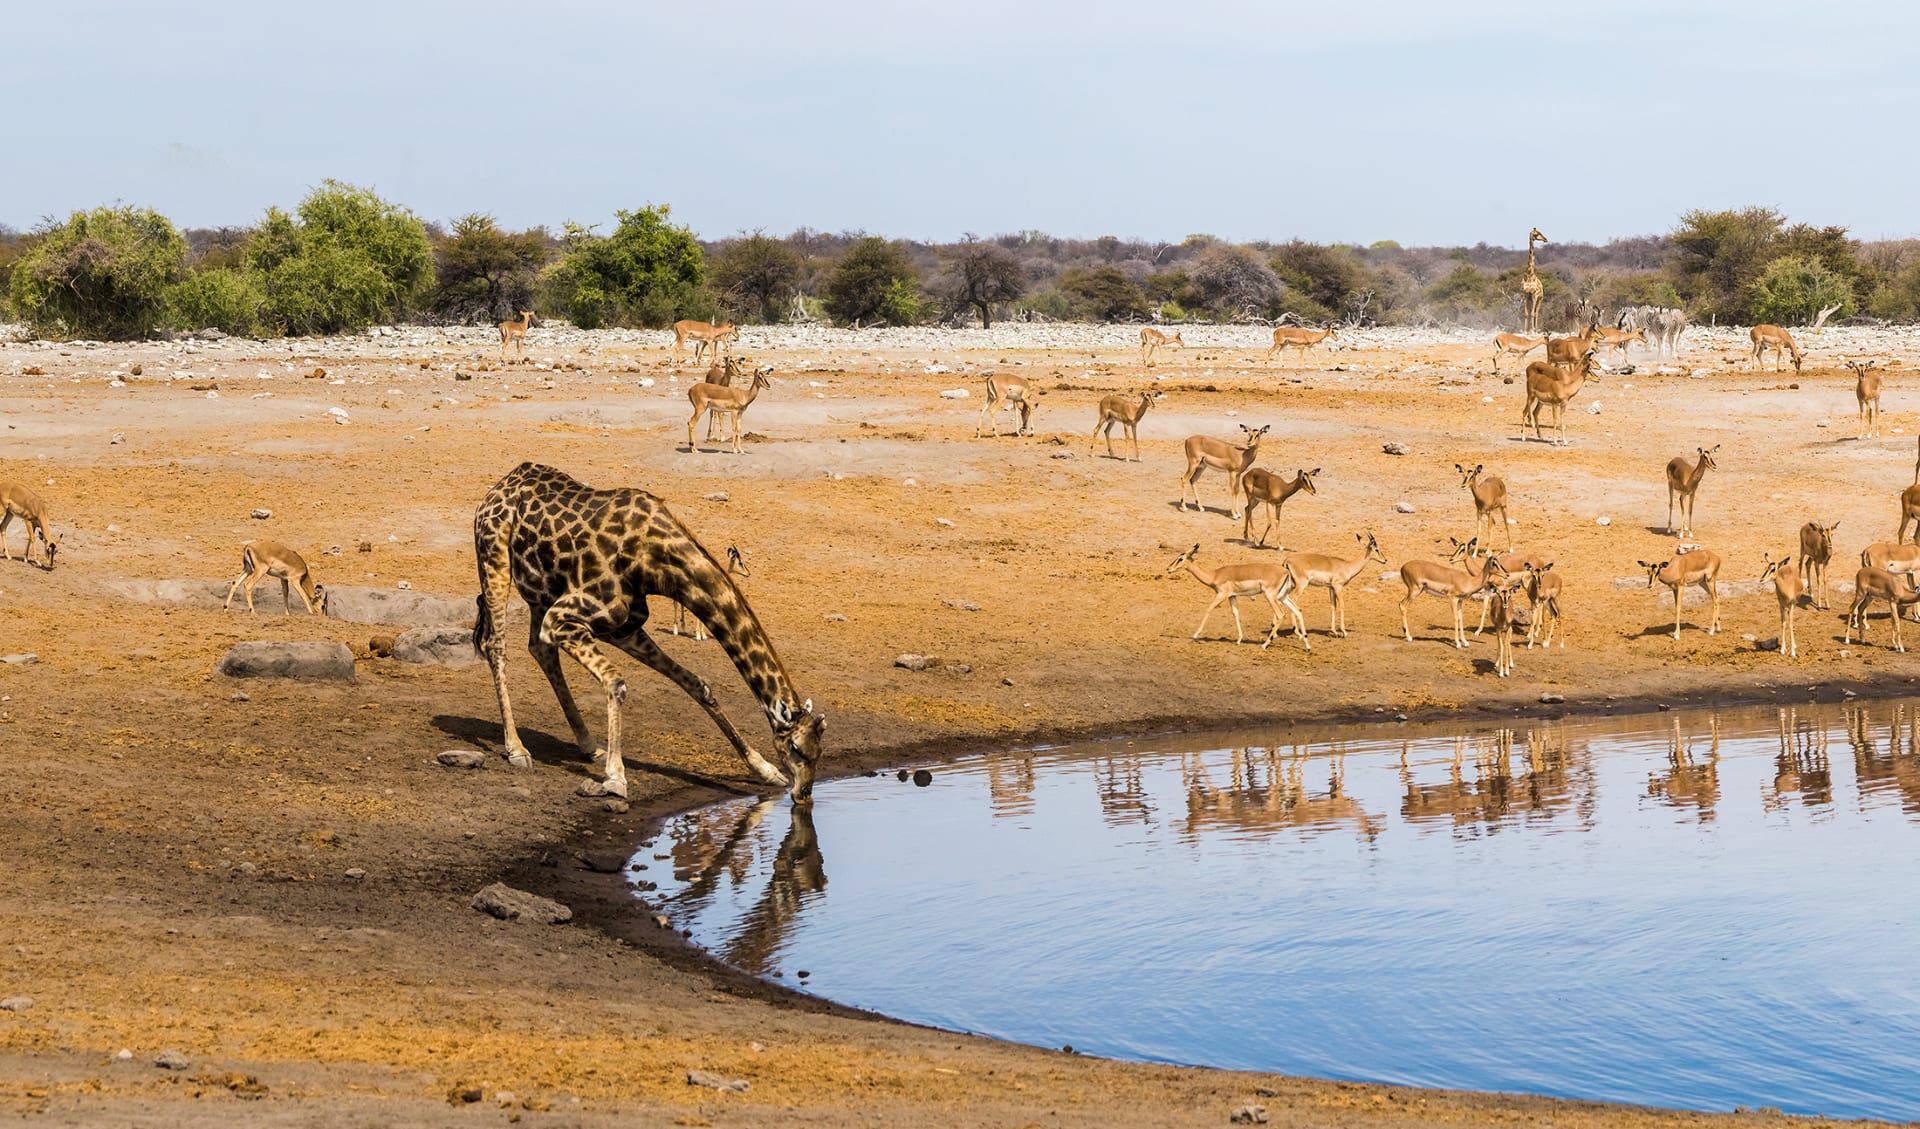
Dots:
pixel 1416 120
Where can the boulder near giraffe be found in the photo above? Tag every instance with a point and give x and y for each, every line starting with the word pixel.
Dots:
pixel 585 561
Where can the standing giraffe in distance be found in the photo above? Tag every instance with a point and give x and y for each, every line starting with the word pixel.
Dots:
pixel 585 561
pixel 1532 292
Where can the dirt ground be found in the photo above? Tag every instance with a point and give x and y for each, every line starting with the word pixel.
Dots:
pixel 181 843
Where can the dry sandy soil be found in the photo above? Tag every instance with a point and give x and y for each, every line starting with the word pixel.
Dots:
pixel 180 843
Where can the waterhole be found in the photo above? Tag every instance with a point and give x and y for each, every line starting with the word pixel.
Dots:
pixel 1699 909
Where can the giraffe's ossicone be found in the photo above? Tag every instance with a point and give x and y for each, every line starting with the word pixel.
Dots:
pixel 585 561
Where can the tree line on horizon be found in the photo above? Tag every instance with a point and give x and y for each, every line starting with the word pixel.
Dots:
pixel 345 259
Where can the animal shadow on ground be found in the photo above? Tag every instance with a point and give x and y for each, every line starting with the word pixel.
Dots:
pixel 559 752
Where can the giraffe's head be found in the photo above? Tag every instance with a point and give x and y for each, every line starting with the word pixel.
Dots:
pixel 797 736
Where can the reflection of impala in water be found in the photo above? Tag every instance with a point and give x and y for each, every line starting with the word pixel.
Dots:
pixel 798 871
pixel 1801 765
pixel 1283 801
pixel 1893 770
pixel 1496 795
pixel 1690 781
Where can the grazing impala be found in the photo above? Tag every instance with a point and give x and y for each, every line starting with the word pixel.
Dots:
pixel 702 334
pixel 1618 339
pixel 516 332
pixel 1788 590
pixel 18 501
pixel 1896 557
pixel 1702 567
pixel 1448 583
pixel 261 559
pixel 1302 339
pixel 1514 344
pixel 1319 570
pixel 1008 392
pixel 1866 392
pixel 1125 411
pixel 1765 337
pixel 1870 584
pixel 1816 549
pixel 1263 487
pixel 709 397
pixel 1489 496
pixel 1204 451
pixel 1239 581
pixel 1683 483
pixel 1152 339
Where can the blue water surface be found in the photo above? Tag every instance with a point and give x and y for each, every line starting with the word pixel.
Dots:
pixel 1699 910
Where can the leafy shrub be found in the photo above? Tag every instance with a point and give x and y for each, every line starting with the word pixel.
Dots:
pixel 757 276
pixel 1232 279
pixel 1050 304
pixel 485 273
pixel 874 281
pixel 347 260
pixel 1318 277
pixel 649 272
pixel 1102 294
pixel 1793 291
pixel 221 298
pixel 1173 311
pixel 1467 294
pixel 102 273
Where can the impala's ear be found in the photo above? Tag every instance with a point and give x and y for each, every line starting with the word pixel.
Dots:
pixel 1316 470
pixel 1460 468
pixel 1196 547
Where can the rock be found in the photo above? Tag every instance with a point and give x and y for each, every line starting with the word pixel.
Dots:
pixel 20 660
pixel 1603 520
pixel 615 805
pixel 922 778
pixel 962 605
pixel 1395 448
pixel 135 370
pixel 16 1003
pixel 716 1082
pixel 1403 507
pixel 954 394
pixel 447 645
pixel 462 758
pixel 1062 455
pixel 116 439
pixel 261 514
pixel 211 334
pixel 834 617
pixel 405 586
pixel 172 1060
pixel 1552 699
pixel 394 608
pixel 601 862
pixel 957 668
pixel 305 661
pixel 912 662
pixel 716 496
pixel 505 1098
pixel 1249 1115
pixel 464 1095
pixel 380 646
pixel 509 904
pixel 943 522
pixel 356 873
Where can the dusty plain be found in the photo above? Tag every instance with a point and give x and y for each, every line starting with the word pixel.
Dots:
pixel 179 843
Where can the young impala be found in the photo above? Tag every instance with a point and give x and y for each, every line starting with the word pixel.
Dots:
pixel 516 333
pixel 1683 482
pixel 1125 411
pixel 1265 488
pixel 1816 549
pixel 1204 451
pixel 1788 590
pixel 1543 602
pixel 1702 567
pixel 1489 497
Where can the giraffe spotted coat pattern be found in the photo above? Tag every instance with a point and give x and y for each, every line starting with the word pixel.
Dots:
pixel 585 561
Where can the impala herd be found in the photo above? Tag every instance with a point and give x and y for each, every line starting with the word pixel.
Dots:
pixel 1471 571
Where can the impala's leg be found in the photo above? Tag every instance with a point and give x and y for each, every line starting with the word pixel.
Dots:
pixel 1676 612
pixel 1336 612
pixel 1186 484
pixel 1459 623
pixel 1096 439
pixel 1133 434
pixel 1506 525
pixel 1893 614
pixel 1554 610
pixel 252 581
pixel 286 597
pixel 1233 491
pixel 228 606
pixel 1206 614
pixel 1670 526
pixel 1299 622
pixel 1405 627
pixel 1233 606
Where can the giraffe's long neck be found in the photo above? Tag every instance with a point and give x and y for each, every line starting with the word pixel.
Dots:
pixel 1529 255
pixel 711 596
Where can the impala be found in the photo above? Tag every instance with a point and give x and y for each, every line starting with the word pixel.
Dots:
pixel 1489 496
pixel 1683 483
pixel 18 501
pixel 1866 393
pixel 702 334
pixel 262 559
pixel 1788 590
pixel 1448 583
pixel 1125 411
pixel 1204 451
pixel 516 332
pixel 1152 339
pixel 1870 584
pixel 1302 339
pixel 1816 549
pixel 1009 392
pixel 1263 487
pixel 1239 581
pixel 1553 386
pixel 709 397
pixel 1765 337
pixel 1319 570
pixel 1515 344
pixel 1701 567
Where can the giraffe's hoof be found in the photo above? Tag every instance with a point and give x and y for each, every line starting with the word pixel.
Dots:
pixel 520 759
pixel 615 787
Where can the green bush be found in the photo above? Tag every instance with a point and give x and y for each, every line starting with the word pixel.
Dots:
pixel 649 272
pixel 874 281
pixel 1793 291
pixel 1173 311
pixel 1050 304
pixel 757 276
pixel 347 260
pixel 103 273
pixel 221 298
pixel 1467 294
pixel 1102 294
pixel 485 273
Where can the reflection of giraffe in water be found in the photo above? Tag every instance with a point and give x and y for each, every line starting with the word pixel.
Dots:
pixel 1688 781
pixel 1010 783
pixel 1801 765
pixel 1895 773
pixel 798 872
pixel 1283 801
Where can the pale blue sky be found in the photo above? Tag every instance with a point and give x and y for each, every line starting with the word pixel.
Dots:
pixel 1413 120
